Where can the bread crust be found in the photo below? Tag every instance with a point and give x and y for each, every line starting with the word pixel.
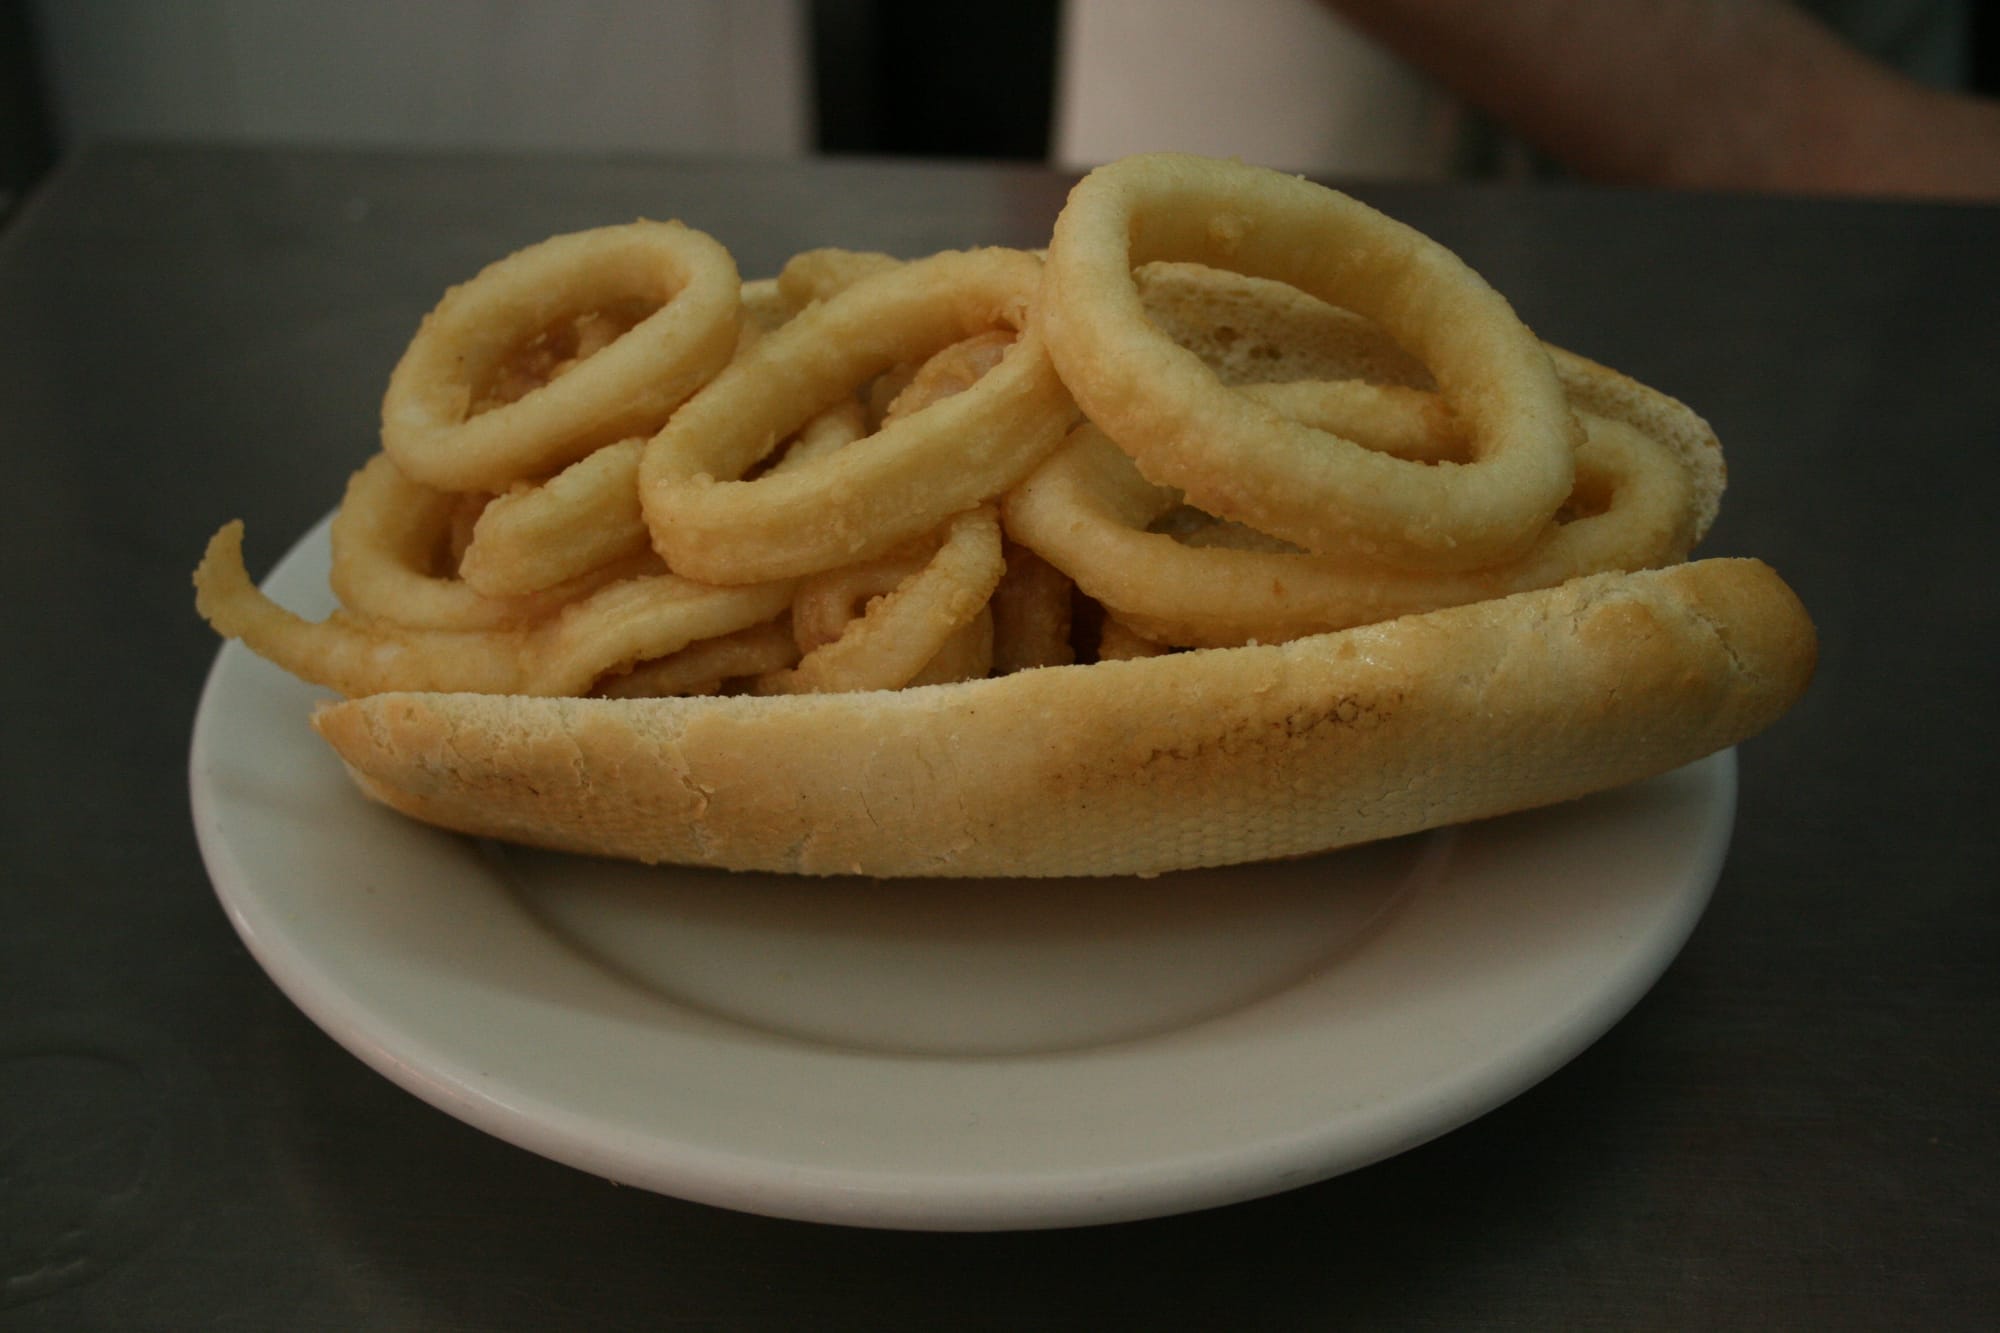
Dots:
pixel 1193 759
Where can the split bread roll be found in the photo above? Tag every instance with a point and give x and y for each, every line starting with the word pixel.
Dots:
pixel 1138 767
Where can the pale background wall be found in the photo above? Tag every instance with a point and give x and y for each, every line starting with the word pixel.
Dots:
pixel 1284 83
pixel 724 76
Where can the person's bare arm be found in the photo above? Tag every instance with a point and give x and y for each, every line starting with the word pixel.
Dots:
pixel 1720 94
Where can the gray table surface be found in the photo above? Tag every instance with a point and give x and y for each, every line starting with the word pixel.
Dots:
pixel 1795 1129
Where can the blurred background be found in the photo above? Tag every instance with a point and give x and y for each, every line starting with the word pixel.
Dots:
pixel 1285 82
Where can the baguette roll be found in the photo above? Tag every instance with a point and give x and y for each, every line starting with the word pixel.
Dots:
pixel 1134 767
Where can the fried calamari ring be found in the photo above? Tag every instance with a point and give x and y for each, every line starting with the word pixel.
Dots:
pixel 884 389
pixel 814 275
pixel 953 369
pixel 764 307
pixel 1088 511
pixel 966 655
pixel 467 408
pixel 898 483
pixel 586 518
pixel 905 626
pixel 828 603
pixel 1240 459
pixel 588 514
pixel 466 508
pixel 393 559
pixel 835 428
pixel 1602 391
pixel 1119 642
pixel 1412 425
pixel 622 623
pixel 538 536
pixel 706 666
pixel 1259 334
pixel 1031 614
pixel 896 392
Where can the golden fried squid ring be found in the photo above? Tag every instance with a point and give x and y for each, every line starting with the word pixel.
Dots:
pixel 896 393
pixel 916 603
pixel 447 419
pixel 466 508
pixel 625 622
pixel 814 275
pixel 764 307
pixel 1264 335
pixel 835 428
pixel 828 603
pixel 705 667
pixel 878 492
pixel 1088 511
pixel 952 370
pixel 1119 642
pixel 1031 614
pixel 393 546
pixel 537 536
pixel 1408 423
pixel 587 518
pixel 966 655
pixel 1240 459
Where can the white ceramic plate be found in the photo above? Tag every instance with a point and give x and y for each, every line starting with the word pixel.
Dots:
pixel 941 1054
